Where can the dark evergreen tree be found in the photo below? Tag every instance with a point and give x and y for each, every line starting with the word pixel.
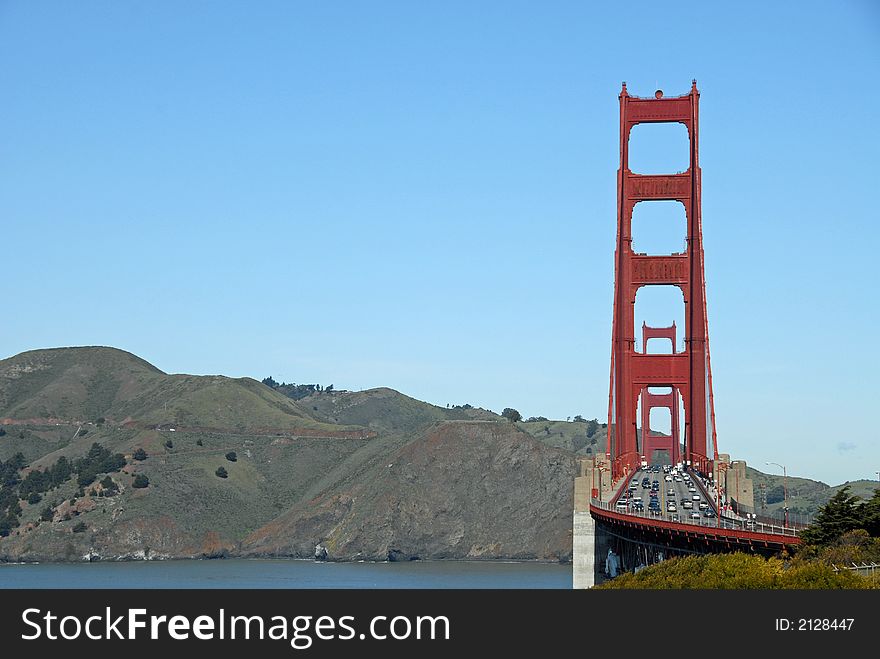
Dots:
pixel 871 515
pixel 839 515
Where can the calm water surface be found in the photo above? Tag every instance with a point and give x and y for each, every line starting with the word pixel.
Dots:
pixel 238 573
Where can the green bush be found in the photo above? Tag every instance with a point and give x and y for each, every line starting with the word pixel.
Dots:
pixel 231 456
pixel 47 514
pixel 139 454
pixel 34 497
pixel 79 527
pixel 140 481
pixel 511 414
pixel 221 472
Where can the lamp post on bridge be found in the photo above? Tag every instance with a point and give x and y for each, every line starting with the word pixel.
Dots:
pixel 722 467
pixel 600 469
pixel 784 493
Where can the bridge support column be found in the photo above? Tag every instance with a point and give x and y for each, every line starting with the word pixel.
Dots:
pixel 583 551
pixel 589 544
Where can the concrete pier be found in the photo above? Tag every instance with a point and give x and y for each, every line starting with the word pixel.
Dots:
pixel 588 544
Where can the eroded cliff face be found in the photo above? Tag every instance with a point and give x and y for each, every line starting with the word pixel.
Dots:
pixel 460 490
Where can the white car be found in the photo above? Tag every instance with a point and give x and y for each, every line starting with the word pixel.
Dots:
pixel 668 479
pixel 695 515
pixel 695 497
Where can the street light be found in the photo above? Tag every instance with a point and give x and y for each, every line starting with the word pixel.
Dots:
pixel 722 467
pixel 784 493
pixel 600 468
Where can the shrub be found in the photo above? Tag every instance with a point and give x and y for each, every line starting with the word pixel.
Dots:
pixel 79 527
pixel 169 444
pixel 140 481
pixel 739 571
pixel 511 414
pixel 47 514
pixel 34 498
pixel 139 454
pixel 231 456
pixel 221 472
pixel 199 442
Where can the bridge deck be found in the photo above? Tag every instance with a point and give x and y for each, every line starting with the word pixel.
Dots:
pixel 714 529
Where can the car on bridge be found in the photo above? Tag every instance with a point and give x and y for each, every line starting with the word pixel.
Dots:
pixel 703 505
pixel 670 492
pixel 670 508
pixel 695 515
pixel 687 504
pixel 622 502
pixel 708 513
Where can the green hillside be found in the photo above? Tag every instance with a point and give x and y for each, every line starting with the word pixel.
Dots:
pixel 579 437
pixel 278 455
pixel 85 385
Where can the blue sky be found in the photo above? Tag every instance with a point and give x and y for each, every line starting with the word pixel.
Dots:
pixel 422 196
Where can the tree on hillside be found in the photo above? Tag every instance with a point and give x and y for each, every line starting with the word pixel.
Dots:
pixel 140 481
pixel 511 414
pixel 592 427
pixel 839 515
pixel 231 456
pixel 139 454
pixel 579 419
pixel 221 472
pixel 871 514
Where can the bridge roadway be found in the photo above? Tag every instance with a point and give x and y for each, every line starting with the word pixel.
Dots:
pixel 685 529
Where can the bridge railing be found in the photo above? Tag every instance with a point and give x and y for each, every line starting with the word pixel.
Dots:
pixel 705 522
pixel 796 520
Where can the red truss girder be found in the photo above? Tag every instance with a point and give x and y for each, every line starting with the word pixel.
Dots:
pixel 687 372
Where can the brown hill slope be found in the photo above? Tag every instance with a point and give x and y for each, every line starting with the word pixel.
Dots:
pixel 461 489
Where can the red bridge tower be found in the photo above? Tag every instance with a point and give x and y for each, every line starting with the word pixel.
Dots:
pixel 688 373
